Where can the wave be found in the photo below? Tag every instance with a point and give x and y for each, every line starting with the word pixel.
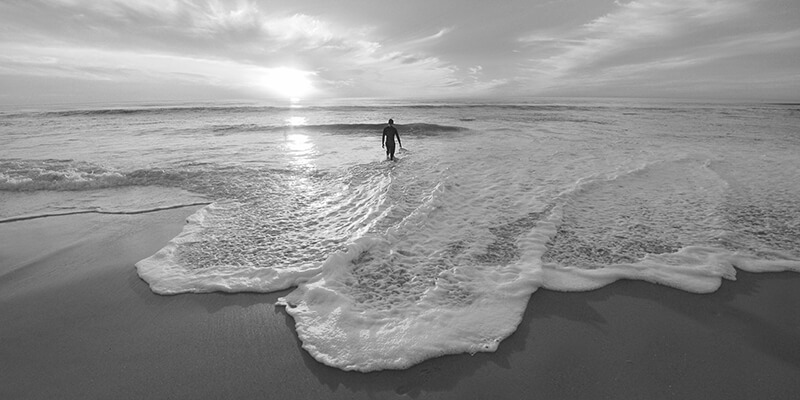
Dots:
pixel 523 106
pixel 147 110
pixel 70 175
pixel 415 129
pixel 30 175
pixel 249 109
pixel 648 224
pixel 237 109
pixel 223 109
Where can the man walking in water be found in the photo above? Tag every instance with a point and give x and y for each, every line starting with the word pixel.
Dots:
pixel 387 141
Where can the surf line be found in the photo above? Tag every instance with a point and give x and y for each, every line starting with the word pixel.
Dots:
pixel 134 212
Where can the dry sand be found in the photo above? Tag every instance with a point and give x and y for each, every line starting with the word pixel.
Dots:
pixel 76 322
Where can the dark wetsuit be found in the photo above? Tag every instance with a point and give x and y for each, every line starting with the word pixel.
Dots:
pixel 389 133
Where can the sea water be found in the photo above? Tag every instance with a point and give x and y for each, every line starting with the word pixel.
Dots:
pixel 438 252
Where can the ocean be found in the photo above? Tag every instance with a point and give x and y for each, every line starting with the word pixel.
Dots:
pixel 439 251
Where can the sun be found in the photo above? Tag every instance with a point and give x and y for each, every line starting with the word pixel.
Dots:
pixel 287 82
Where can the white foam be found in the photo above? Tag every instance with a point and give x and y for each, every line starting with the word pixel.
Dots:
pixel 467 309
pixel 55 175
pixel 450 274
pixel 752 264
pixel 692 269
pixel 445 247
pixel 168 273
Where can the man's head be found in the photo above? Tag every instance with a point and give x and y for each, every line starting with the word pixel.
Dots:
pixel 391 121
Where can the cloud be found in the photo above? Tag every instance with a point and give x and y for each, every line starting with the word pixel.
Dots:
pixel 654 44
pixel 427 39
pixel 633 30
pixel 351 49
pixel 175 38
pixel 206 28
pixel 122 65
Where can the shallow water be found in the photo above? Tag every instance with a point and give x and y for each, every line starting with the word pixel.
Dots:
pixel 439 251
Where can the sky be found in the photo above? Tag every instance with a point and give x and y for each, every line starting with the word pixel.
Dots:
pixel 68 51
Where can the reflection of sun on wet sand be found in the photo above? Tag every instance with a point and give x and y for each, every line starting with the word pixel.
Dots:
pixel 83 325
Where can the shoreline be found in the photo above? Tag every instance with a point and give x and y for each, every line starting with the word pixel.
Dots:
pixel 78 322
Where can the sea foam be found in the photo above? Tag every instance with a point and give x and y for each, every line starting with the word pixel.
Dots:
pixel 440 251
pixel 463 309
pixel 176 269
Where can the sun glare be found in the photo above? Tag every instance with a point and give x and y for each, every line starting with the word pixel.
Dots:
pixel 290 83
pixel 296 121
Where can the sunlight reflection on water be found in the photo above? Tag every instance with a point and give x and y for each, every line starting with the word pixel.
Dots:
pixel 301 148
pixel 296 121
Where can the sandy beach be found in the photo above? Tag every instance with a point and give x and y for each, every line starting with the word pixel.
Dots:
pixel 168 170
pixel 78 323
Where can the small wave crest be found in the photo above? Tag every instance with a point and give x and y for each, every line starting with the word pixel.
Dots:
pixel 70 175
pixel 59 175
pixel 416 129
pixel 412 129
pixel 152 110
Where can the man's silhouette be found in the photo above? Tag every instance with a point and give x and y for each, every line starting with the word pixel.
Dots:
pixel 387 141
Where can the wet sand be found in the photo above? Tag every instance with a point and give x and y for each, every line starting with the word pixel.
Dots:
pixel 78 323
